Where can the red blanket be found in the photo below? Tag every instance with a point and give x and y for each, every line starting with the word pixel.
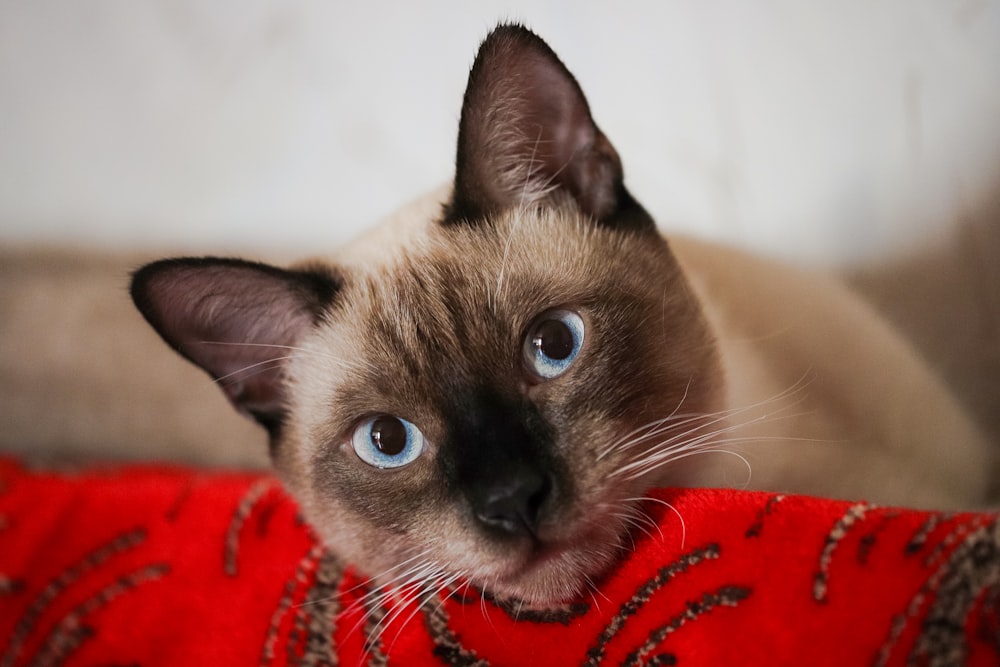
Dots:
pixel 167 566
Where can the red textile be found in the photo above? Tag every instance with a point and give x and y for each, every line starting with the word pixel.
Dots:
pixel 173 566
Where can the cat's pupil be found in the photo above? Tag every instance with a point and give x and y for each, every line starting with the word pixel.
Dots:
pixel 389 435
pixel 553 339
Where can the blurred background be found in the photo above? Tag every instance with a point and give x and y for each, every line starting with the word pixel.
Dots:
pixel 858 136
pixel 825 132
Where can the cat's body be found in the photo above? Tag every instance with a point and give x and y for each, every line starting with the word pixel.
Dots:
pixel 485 388
pixel 865 411
pixel 824 397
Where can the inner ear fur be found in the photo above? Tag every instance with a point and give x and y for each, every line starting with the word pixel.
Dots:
pixel 237 320
pixel 526 132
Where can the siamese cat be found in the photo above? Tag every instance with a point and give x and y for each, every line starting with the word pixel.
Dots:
pixel 486 388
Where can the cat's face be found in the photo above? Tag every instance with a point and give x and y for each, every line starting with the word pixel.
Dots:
pixel 490 401
pixel 503 367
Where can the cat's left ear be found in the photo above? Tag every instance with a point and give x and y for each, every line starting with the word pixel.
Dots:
pixel 237 320
pixel 526 131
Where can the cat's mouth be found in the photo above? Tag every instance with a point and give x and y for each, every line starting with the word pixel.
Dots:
pixel 561 569
pixel 551 575
pixel 539 555
pixel 554 571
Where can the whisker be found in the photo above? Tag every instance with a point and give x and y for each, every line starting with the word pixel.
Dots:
pixel 397 566
pixel 676 513
pixel 637 523
pixel 418 601
pixel 252 369
pixel 340 362
pixel 658 456
pixel 692 438
pixel 712 450
pixel 393 593
pixel 399 597
pixel 653 424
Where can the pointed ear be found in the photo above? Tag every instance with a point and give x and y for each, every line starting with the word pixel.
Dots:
pixel 237 320
pixel 526 131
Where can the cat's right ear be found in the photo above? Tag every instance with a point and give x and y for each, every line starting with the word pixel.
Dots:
pixel 237 320
pixel 526 132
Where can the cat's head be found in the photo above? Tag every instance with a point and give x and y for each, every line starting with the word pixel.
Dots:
pixel 486 400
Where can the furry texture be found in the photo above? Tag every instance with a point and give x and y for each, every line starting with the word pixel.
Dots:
pixel 696 366
pixel 451 320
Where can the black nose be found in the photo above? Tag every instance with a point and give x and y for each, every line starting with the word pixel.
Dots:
pixel 513 506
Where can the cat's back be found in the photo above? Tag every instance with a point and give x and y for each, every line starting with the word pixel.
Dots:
pixel 842 404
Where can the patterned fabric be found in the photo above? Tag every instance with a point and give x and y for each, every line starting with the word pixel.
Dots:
pixel 169 566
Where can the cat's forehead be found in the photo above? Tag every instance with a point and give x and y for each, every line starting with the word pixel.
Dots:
pixel 550 241
pixel 480 279
pixel 516 259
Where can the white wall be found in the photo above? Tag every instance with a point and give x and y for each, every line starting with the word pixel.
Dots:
pixel 820 130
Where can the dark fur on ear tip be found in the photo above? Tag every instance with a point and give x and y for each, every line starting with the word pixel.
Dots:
pixel 526 132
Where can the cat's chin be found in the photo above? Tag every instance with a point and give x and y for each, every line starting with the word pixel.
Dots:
pixel 569 566
pixel 551 574
pixel 544 585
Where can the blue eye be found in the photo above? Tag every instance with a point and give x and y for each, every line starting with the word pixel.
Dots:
pixel 385 441
pixel 553 343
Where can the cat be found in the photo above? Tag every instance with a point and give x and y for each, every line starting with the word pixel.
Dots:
pixel 486 388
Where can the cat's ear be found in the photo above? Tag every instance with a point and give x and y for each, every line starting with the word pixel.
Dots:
pixel 526 131
pixel 237 320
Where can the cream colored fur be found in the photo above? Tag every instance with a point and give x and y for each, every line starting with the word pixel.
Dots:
pixel 835 402
pixel 860 414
